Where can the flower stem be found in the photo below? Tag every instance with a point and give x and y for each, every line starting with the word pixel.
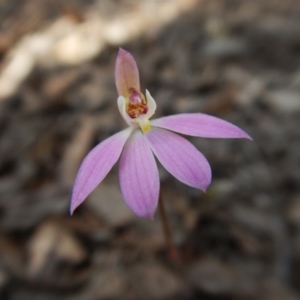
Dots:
pixel 171 249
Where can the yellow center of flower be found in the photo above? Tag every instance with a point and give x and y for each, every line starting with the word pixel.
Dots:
pixel 136 108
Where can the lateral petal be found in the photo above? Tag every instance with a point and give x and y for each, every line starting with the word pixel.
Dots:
pixel 96 165
pixel 151 105
pixel 139 179
pixel 202 125
pixel 122 109
pixel 180 158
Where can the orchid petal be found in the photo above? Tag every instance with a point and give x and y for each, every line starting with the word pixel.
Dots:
pixel 202 125
pixel 151 105
pixel 180 158
pixel 126 73
pixel 96 165
pixel 138 174
pixel 122 109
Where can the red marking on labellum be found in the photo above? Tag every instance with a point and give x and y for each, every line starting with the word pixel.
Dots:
pixel 136 105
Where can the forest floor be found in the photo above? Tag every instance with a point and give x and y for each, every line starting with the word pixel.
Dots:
pixel 235 59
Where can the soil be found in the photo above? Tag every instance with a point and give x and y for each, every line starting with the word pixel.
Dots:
pixel 235 59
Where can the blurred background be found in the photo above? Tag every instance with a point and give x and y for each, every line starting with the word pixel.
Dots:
pixel 238 60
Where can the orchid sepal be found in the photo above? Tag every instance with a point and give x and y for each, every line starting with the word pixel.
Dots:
pixel 137 145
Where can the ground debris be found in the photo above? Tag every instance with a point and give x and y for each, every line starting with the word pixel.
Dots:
pixel 238 60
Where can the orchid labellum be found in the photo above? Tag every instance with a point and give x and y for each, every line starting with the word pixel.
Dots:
pixel 144 138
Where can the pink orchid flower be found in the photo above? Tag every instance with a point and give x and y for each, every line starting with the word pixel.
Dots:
pixel 135 146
